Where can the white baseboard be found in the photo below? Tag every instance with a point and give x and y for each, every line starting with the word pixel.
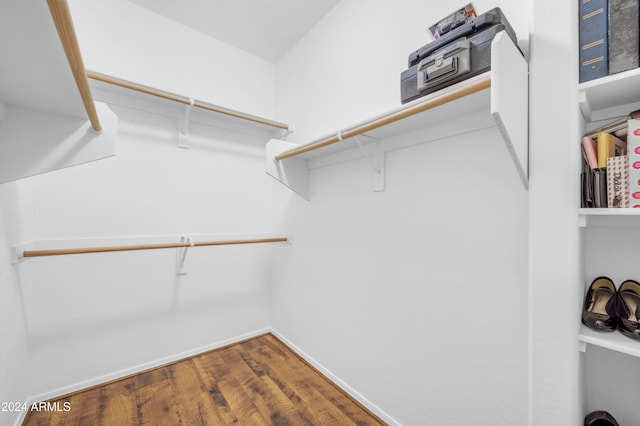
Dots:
pixel 335 379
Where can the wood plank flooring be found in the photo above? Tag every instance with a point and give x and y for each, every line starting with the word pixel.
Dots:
pixel 256 382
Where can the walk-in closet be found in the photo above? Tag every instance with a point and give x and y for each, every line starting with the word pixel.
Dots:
pixel 227 212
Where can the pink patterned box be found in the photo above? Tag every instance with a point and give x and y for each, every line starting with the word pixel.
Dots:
pixel 633 151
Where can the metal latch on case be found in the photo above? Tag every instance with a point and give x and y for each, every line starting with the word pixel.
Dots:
pixel 440 66
pixel 445 64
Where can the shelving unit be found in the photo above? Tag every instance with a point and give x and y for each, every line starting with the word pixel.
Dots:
pixel 497 98
pixel 608 248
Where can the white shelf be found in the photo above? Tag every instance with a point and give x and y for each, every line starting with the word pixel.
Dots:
pixel 503 105
pixel 614 341
pixel 43 120
pixel 612 96
pixel 112 94
pixel 609 212
pixel 432 119
pixel 609 217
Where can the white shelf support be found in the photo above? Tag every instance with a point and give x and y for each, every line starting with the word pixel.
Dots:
pixel 582 221
pixel 585 105
pixel 181 255
pixel 293 173
pixel 290 129
pixel 582 346
pixel 376 160
pixel 510 100
pixel 17 255
pixel 183 124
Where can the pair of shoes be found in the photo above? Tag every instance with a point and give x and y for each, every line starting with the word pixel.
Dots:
pixel 606 309
pixel 600 418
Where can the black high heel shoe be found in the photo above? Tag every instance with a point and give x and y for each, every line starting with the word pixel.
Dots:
pixel 600 311
pixel 629 309
pixel 600 418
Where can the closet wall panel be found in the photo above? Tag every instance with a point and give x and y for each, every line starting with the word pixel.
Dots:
pixel 13 333
pixel 94 317
pixel 415 297
pixel 82 310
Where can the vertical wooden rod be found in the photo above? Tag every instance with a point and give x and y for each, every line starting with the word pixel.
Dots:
pixel 62 18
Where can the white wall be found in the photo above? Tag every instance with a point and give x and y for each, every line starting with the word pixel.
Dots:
pixel 120 38
pixel 368 285
pixel 416 297
pixel 556 294
pixel 96 316
pixel 13 333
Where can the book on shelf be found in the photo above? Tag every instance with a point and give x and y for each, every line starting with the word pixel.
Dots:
pixel 610 176
pixel 600 199
pixel 586 189
pixel 590 152
pixel 609 146
pixel 617 182
pixel 605 180
pixel 633 148
pixel 594 39
pixel 607 187
pixel 586 177
pixel 624 47
pixel 593 185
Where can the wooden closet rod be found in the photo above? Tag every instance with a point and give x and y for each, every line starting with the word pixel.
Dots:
pixel 398 115
pixel 62 18
pixel 85 250
pixel 185 100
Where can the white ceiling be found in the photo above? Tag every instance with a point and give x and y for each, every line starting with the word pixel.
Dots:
pixel 265 28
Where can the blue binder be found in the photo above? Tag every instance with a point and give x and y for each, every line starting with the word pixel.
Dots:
pixel 594 43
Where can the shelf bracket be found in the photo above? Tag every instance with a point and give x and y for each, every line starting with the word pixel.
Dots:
pixel 376 160
pixel 17 255
pixel 292 172
pixel 585 105
pixel 582 221
pixel 181 255
pixel 183 124
pixel 509 100
pixel 290 129
pixel 582 346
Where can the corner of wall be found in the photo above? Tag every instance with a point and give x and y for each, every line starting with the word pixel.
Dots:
pixel 13 350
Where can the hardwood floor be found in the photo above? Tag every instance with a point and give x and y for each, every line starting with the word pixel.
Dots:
pixel 256 382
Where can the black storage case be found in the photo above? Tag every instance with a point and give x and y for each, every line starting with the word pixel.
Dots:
pixel 456 56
